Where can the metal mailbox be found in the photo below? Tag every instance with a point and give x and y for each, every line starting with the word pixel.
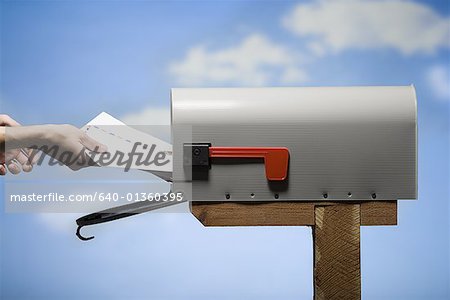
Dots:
pixel 278 144
pixel 314 143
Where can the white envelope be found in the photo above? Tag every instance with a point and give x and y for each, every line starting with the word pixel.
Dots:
pixel 117 136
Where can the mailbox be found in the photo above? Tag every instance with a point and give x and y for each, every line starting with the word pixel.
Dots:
pixel 287 144
pixel 305 144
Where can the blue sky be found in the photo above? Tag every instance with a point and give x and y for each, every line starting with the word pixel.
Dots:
pixel 65 62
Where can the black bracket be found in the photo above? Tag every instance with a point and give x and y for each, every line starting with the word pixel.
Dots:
pixel 196 160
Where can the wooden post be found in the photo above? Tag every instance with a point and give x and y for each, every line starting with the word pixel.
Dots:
pixel 336 233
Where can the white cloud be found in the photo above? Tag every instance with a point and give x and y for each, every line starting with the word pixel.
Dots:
pixel 438 78
pixel 255 61
pixel 338 25
pixel 148 116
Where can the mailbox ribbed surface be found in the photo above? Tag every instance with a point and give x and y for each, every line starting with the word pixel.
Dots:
pixel 345 143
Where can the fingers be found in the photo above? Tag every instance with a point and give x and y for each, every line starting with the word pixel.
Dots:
pixel 92 144
pixel 16 161
pixel 2 170
pixel 13 167
pixel 24 161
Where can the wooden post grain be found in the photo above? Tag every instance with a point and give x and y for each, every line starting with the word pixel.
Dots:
pixel 336 235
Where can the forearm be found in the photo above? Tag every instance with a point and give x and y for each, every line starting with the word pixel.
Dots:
pixel 22 136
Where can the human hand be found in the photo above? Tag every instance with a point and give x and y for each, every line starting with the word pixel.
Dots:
pixel 14 160
pixel 64 143
pixel 68 145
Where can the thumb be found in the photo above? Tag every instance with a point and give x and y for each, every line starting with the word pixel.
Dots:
pixel 92 144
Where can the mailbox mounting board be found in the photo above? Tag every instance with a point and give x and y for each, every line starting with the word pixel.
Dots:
pixel 345 143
